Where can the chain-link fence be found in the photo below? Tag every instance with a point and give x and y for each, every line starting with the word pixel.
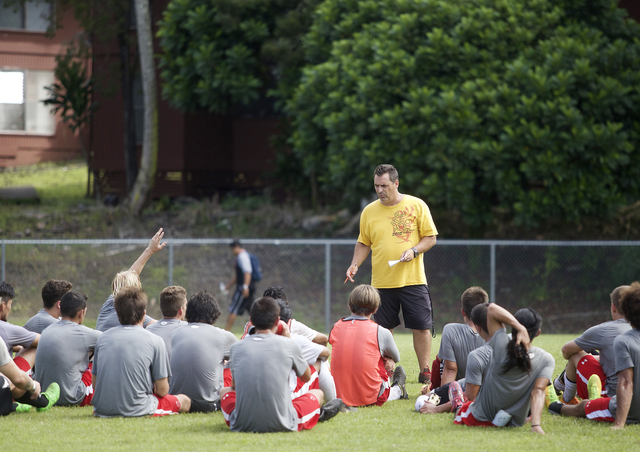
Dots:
pixel 567 282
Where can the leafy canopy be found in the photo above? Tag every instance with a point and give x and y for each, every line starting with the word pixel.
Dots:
pixel 529 107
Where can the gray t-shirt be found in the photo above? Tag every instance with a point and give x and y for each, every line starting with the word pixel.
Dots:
pixel 108 317
pixel 478 364
pixel 196 364
pixel 458 340
pixel 511 390
pixel 260 365
pixel 40 321
pixel 601 338
pixel 5 357
pixel 62 356
pixel 13 335
pixel 627 352
pixel 386 344
pixel 165 328
pixel 127 361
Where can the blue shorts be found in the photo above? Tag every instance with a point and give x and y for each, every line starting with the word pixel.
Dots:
pixel 415 303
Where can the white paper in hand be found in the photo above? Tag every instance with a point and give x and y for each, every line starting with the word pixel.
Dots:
pixel 392 263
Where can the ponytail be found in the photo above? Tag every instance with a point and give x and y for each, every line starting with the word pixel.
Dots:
pixel 517 354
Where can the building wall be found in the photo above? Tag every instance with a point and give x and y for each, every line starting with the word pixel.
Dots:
pixel 29 50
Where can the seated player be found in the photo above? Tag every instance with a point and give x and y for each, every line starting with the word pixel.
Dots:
pixel 259 399
pixel 130 366
pixel 477 366
pixel 277 292
pixel 624 407
pixel 364 354
pixel 458 340
pixel 107 317
pixel 199 351
pixel 581 365
pixel 65 350
pixel 173 304
pixel 516 379
pixel 15 336
pixel 16 384
pixel 52 292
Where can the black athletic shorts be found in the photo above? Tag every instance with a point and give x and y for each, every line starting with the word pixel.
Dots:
pixel 415 303
pixel 6 402
pixel 239 304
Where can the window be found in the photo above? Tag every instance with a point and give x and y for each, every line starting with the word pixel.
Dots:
pixel 33 15
pixel 21 109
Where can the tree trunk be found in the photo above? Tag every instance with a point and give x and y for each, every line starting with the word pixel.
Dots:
pixel 149 160
pixel 130 154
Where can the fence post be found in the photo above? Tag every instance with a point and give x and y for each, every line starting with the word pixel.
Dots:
pixel 492 290
pixel 327 287
pixel 170 263
pixel 3 263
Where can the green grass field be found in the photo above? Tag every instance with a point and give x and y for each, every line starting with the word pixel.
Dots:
pixel 394 426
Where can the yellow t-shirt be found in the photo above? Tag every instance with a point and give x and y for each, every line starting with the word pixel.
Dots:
pixel 390 231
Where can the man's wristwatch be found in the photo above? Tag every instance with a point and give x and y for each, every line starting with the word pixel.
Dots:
pixel 415 251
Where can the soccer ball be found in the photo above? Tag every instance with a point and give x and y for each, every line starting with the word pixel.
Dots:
pixel 421 400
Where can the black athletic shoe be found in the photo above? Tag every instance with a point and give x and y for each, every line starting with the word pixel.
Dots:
pixel 330 409
pixel 400 379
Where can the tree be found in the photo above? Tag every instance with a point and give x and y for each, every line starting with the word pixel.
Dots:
pixel 219 53
pixel 71 97
pixel 149 159
pixel 529 108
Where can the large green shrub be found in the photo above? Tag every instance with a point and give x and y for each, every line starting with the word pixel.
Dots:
pixel 528 107
pixel 220 53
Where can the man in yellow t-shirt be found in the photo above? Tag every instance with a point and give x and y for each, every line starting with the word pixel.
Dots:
pixel 398 226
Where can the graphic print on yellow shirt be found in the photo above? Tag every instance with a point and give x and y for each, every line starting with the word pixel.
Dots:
pixel 391 230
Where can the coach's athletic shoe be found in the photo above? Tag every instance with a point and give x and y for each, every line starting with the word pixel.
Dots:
pixel 558 383
pixel 424 377
pixel 22 408
pixel 330 409
pixel 550 396
pixel 456 396
pixel 594 387
pixel 400 379
pixel 52 394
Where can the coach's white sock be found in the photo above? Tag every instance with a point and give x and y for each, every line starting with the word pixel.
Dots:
pixel 326 383
pixel 394 393
pixel 569 390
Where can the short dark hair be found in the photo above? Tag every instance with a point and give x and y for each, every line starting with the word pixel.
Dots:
pixel 202 308
pixel 6 291
pixel 130 304
pixel 53 291
pixel 630 304
pixel 275 292
pixel 471 298
pixel 285 310
pixel 234 243
pixel 71 303
pixel 479 316
pixel 616 295
pixel 264 313
pixel 385 168
pixel 172 298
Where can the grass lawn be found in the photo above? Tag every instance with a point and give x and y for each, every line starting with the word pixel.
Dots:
pixel 394 426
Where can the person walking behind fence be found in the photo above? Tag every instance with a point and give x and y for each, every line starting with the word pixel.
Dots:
pixel 398 226
pixel 247 273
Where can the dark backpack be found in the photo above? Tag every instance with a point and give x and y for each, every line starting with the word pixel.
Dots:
pixel 256 268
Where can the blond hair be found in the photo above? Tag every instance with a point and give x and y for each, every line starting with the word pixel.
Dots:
pixel 364 300
pixel 126 278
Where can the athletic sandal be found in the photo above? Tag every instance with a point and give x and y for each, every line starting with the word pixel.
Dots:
pixel 22 407
pixel 594 387
pixel 558 383
pixel 550 395
pixel 424 377
pixel 52 394
pixel 400 379
pixel 330 409
pixel 456 396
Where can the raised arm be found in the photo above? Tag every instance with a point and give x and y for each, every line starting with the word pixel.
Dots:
pixel 497 317
pixel 155 245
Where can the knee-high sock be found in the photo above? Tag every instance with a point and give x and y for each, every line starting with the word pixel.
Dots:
pixel 326 383
pixel 570 388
